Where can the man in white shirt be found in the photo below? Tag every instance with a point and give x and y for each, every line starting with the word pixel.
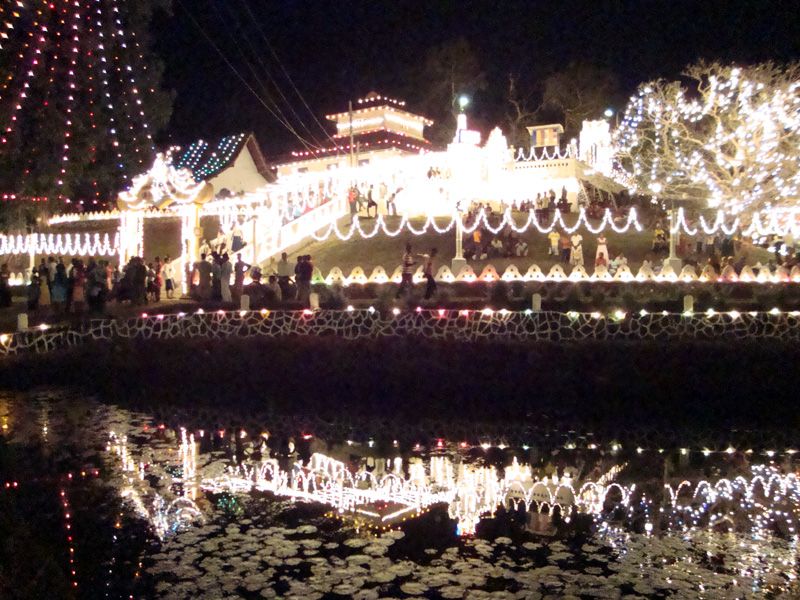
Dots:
pixel 285 271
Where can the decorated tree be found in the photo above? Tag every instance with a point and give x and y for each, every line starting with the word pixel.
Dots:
pixel 728 137
pixel 80 101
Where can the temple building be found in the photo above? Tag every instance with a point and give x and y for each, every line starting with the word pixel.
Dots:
pixel 233 165
pixel 380 128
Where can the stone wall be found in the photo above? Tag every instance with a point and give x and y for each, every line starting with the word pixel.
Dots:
pixel 458 325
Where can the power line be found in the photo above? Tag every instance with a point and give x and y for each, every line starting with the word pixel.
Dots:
pixel 235 70
pixel 285 73
pixel 243 32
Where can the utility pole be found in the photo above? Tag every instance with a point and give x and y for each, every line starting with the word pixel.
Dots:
pixel 350 113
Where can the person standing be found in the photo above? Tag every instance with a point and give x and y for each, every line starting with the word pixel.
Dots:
pixel 169 282
pixel 371 202
pixel 428 270
pixel 565 248
pixel 237 239
pixel 44 292
pixel 5 286
pixel 284 271
pixel 554 237
pixel 391 207
pixel 602 247
pixel 304 270
pixel 576 255
pixel 216 278
pixel 352 201
pixel 407 280
pixel 225 272
pixel 240 269
pixel 78 286
pixel 60 285
pixel 51 270
pixel 158 279
pixel 33 291
pixel 204 283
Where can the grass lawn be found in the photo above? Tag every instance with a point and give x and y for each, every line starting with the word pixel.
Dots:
pixel 387 251
pixel 162 236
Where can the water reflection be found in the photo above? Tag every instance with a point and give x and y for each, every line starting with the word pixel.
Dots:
pixel 236 512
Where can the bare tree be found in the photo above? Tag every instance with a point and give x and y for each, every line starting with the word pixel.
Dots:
pixel 520 113
pixel 579 92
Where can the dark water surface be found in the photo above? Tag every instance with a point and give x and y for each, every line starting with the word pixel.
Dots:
pixel 99 501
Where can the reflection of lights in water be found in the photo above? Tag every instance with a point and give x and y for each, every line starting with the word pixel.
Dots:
pixel 166 517
pixel 766 501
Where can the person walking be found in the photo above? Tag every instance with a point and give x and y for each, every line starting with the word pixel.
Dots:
pixel 407 280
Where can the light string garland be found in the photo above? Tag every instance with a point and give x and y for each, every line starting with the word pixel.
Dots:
pixel 71 47
pixel 482 219
pixel 544 154
pixel 60 244
pixel 732 140
pixel 759 500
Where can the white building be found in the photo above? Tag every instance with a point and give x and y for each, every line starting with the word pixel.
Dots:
pixel 233 165
pixel 381 129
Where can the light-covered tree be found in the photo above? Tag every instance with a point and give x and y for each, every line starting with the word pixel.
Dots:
pixel 727 136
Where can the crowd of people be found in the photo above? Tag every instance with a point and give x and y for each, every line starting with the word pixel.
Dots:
pixel 72 288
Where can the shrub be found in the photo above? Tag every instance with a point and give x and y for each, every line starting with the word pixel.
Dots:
pixel 498 294
pixel 333 298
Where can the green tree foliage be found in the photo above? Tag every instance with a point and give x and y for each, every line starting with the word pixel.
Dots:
pixel 447 72
pixel 102 112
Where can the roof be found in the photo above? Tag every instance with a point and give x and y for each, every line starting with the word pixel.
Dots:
pixel 374 140
pixel 207 159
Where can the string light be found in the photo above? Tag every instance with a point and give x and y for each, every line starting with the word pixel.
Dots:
pixel 482 219
pixel 72 47
pixel 60 244
pixel 732 140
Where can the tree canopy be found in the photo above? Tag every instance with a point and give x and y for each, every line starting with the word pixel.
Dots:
pixel 726 136
pixel 80 102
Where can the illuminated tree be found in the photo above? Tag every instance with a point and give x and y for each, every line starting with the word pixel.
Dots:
pixel 80 100
pixel 729 139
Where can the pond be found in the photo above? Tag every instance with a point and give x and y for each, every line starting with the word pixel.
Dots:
pixel 99 500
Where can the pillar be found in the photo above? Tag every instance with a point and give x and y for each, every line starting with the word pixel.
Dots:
pixel 536 302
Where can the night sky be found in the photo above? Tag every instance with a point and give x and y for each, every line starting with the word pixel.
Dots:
pixel 336 51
